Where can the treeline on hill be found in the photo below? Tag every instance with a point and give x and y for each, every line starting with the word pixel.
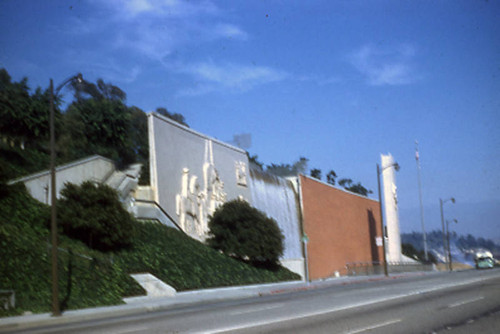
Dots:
pixel 300 167
pixel 97 121
pixel 435 241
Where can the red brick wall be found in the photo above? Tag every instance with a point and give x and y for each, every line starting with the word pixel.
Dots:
pixel 341 228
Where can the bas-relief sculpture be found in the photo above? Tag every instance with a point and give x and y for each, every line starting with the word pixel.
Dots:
pixel 241 173
pixel 195 204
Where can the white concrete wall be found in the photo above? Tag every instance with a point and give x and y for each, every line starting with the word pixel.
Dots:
pixel 94 168
pixel 179 160
pixel 390 195
pixel 295 265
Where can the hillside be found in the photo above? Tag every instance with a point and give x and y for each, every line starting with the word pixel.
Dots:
pixel 90 278
pixel 462 248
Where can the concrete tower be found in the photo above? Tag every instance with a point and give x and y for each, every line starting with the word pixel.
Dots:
pixel 391 208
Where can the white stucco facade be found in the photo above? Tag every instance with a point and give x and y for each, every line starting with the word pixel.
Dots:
pixel 192 174
pixel 390 195
pixel 94 168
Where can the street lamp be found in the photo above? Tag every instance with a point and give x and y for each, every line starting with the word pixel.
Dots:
pixel 417 158
pixel 380 171
pixel 441 202
pixel 448 242
pixel 53 192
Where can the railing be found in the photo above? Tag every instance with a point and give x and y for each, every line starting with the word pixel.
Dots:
pixel 162 211
pixel 377 268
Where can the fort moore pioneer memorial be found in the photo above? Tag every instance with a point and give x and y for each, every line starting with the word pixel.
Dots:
pixel 328 231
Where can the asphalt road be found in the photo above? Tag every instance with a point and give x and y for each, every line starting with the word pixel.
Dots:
pixel 459 302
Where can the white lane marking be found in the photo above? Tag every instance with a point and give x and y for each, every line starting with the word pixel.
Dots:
pixel 465 302
pixel 256 309
pixel 131 330
pixel 387 323
pixel 339 308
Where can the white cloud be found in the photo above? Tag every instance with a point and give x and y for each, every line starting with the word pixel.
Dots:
pixel 320 80
pixel 130 9
pixel 210 77
pixel 162 30
pixel 156 28
pixel 386 66
pixel 229 30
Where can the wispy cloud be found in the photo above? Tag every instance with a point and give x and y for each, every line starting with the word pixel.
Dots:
pixel 155 28
pixel 229 30
pixel 320 80
pixel 130 9
pixel 162 30
pixel 386 66
pixel 232 77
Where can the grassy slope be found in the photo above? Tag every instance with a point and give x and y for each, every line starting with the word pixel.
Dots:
pixel 90 278
pixel 187 264
pixel 87 278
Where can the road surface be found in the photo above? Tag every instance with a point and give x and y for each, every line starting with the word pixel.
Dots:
pixel 458 302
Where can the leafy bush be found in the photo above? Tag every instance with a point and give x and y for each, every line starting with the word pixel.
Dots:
pixel 93 214
pixel 241 231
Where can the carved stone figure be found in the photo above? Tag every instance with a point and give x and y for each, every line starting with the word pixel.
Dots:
pixel 194 205
pixel 241 173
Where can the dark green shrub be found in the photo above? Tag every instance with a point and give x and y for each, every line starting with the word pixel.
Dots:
pixel 241 231
pixel 93 214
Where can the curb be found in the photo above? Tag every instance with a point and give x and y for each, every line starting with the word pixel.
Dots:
pixel 181 299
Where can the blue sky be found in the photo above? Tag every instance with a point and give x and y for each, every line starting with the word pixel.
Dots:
pixel 338 82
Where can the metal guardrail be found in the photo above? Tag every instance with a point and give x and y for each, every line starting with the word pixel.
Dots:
pixel 377 268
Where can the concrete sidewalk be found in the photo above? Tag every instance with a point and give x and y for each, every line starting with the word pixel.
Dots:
pixel 138 305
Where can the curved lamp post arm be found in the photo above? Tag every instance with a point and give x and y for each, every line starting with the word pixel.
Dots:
pixel 78 78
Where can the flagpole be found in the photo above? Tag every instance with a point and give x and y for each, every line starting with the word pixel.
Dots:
pixel 417 158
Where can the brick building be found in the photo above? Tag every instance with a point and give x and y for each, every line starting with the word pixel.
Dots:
pixel 342 228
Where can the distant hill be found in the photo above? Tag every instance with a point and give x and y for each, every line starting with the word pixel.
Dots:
pixel 462 247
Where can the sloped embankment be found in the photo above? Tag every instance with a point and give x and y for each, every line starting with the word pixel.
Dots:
pixel 90 278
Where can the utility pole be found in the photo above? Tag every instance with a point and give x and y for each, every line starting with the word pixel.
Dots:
pixel 417 158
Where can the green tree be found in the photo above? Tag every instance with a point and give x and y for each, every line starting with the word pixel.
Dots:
pixel 94 214
pixel 357 188
pixel 99 125
pixel 330 177
pixel 241 231
pixel 173 116
pixel 24 118
pixel 298 167
pixel 316 173
pixel 139 141
pixel 98 91
pixel 254 159
pixel 14 107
